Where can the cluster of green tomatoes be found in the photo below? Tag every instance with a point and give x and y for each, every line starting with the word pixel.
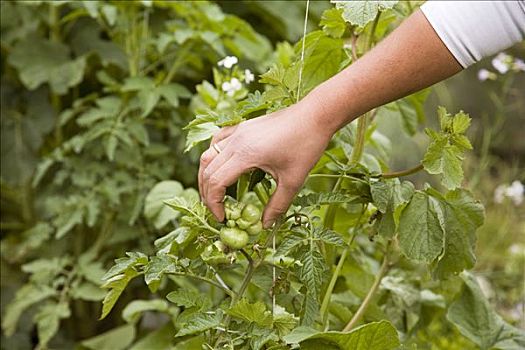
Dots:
pixel 242 220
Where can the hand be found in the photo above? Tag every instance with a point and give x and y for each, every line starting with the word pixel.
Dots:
pixel 286 144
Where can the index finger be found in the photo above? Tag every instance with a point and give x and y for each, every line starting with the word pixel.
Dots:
pixel 223 177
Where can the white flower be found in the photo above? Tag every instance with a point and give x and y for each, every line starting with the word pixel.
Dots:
pixel 228 62
pixel 516 249
pixel 230 87
pixel 500 63
pixel 484 74
pixel 499 194
pixel 515 192
pixel 519 65
pixel 248 76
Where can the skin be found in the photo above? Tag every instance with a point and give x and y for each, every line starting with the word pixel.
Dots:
pixel 288 143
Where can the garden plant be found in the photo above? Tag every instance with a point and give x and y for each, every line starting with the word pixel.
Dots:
pixel 106 108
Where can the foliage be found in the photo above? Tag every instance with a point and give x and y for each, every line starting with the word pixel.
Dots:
pixel 106 107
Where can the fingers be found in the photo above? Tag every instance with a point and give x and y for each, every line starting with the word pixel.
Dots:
pixel 208 155
pixel 223 133
pixel 217 161
pixel 223 177
pixel 279 203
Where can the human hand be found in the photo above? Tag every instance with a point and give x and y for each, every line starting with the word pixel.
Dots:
pixel 286 144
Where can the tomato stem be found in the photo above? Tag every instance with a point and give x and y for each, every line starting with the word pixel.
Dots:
pixel 401 173
pixel 371 292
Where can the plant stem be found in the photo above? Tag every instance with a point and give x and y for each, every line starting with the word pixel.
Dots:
pixel 368 298
pixel 54 24
pixel 405 172
pixel 362 123
pixel 326 300
pixel 359 145
pixel 252 266
pixel 178 62
pixel 228 291
pixel 343 176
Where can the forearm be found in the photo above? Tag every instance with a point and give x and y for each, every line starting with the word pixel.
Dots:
pixel 410 59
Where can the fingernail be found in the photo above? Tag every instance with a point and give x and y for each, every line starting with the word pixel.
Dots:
pixel 268 223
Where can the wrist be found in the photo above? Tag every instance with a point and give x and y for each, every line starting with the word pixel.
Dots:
pixel 324 113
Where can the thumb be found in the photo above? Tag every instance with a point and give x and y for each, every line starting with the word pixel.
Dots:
pixel 278 204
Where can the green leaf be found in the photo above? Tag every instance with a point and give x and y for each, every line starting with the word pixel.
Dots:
pixel 248 312
pixel 390 197
pixel 189 298
pixel 283 321
pixel 330 237
pixel 119 338
pixel 477 320
pixel 433 157
pixel 312 273
pixel 199 133
pixel 87 291
pixel 133 310
pixel 421 236
pixel 323 55
pixel 200 323
pixel 107 107
pixel 48 320
pixel 411 110
pixel 195 343
pixel 274 76
pixel 41 61
pixel 157 267
pixel 360 13
pixel 154 208
pixel 460 123
pixel 463 215
pixel 122 264
pixel 372 336
pixel 26 242
pixel 323 198
pixel 161 338
pixel 333 23
pixel 172 93
pixel 390 194
pixel 445 152
pixel 26 296
pixel 252 103
pixel 118 277
pixel 116 286
pixel 138 83
pixel 148 100
pixel 290 242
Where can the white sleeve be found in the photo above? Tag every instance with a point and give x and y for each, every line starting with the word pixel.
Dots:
pixel 472 30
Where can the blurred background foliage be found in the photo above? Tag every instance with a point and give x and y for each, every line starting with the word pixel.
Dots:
pixel 94 96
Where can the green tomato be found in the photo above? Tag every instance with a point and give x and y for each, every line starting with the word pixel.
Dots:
pixel 243 224
pixel 251 213
pixel 233 210
pixel 255 229
pixel 230 223
pixel 233 237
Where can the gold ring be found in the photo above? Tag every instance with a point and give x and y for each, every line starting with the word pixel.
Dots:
pixel 216 147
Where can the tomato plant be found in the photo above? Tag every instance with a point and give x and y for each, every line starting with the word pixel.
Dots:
pixel 106 107
pixel 361 254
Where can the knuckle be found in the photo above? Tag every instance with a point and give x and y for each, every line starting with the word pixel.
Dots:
pixel 215 181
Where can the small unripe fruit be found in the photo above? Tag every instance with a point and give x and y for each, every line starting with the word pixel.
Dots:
pixel 255 229
pixel 251 213
pixel 234 237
